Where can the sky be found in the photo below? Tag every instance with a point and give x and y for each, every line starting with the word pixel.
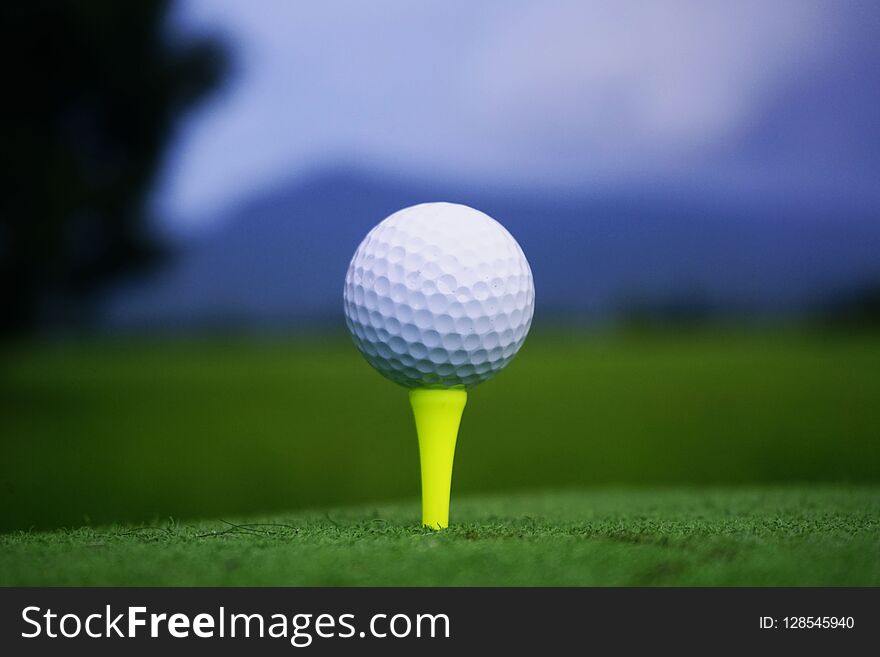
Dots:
pixel 556 95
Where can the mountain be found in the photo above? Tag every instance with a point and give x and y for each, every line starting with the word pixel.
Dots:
pixel 281 258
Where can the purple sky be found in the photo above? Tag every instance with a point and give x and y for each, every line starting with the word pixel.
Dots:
pixel 559 95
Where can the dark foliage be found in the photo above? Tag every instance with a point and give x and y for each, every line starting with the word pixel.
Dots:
pixel 93 90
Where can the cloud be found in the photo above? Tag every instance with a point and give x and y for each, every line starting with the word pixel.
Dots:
pixel 621 86
pixel 496 91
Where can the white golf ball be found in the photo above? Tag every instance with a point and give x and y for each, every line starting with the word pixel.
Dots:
pixel 439 295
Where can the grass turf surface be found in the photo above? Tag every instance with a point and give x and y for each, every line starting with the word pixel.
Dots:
pixel 784 536
pixel 130 430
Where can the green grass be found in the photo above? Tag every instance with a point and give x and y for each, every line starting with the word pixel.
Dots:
pixel 133 430
pixel 787 536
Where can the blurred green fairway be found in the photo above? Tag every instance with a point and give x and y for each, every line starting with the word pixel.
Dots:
pixel 131 431
pixel 760 536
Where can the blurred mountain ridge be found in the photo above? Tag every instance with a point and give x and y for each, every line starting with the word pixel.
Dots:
pixel 279 259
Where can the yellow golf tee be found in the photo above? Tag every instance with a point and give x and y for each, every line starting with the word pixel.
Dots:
pixel 438 414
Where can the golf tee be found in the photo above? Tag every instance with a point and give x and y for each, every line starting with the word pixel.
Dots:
pixel 438 415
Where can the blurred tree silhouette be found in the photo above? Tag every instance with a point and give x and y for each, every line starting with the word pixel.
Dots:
pixel 92 92
pixel 854 309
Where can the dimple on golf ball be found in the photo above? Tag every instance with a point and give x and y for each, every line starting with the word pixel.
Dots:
pixel 439 295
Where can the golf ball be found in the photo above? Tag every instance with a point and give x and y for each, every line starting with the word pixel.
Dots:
pixel 439 295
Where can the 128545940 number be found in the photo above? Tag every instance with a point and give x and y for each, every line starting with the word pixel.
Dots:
pixel 818 622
